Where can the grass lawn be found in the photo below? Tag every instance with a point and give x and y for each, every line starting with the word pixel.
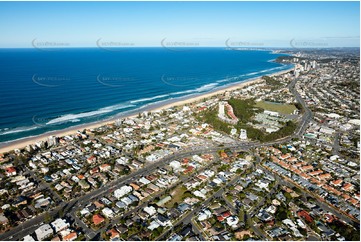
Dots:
pixel 176 194
pixel 281 108
pixel 241 216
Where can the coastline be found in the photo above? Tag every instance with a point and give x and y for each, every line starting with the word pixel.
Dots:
pixel 22 143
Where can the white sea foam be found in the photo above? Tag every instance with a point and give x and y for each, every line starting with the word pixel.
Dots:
pixel 230 79
pixel 76 117
pixel 272 69
pixel 263 71
pixel 206 87
pixel 17 130
pixel 203 88
pixel 249 74
pixel 252 73
pixel 149 99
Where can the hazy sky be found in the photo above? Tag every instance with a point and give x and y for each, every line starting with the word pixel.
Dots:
pixel 324 24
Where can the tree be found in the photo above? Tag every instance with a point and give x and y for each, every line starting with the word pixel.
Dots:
pixel 47 217
pixel 245 237
pixel 270 81
pixel 281 213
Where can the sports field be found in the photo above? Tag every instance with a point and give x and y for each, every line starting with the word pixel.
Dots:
pixel 277 107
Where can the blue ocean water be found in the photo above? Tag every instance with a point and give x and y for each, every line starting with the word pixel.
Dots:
pixel 46 90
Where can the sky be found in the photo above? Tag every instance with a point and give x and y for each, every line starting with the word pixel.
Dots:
pixel 179 24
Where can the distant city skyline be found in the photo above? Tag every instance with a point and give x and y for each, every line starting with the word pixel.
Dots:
pixel 179 24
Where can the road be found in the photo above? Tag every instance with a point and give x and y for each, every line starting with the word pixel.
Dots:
pixel 336 144
pixel 161 193
pixel 28 227
pixel 254 209
pixel 188 217
pixel 307 113
pixel 198 232
pixel 288 182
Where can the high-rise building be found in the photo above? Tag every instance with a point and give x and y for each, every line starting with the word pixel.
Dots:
pixel 243 134
pixel 52 141
pixel 297 73
pixel 314 64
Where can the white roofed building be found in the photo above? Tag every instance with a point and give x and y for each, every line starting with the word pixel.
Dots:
pixel 144 180
pixel 44 232
pixel 150 210
pixel 108 212
pixel 271 113
pixel 59 225
pixel 175 165
pixel 243 134
pixel 121 192
pixel 203 215
pixel 28 238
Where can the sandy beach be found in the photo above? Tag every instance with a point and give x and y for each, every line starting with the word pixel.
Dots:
pixel 22 143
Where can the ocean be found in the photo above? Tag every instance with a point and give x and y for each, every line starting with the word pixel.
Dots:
pixel 44 90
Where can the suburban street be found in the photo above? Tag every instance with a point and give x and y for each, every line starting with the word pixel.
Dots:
pixel 28 226
pixel 75 204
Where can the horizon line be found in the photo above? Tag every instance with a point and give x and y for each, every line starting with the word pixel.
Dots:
pixel 179 47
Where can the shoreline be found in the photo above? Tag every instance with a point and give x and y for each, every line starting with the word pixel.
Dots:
pixel 23 142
